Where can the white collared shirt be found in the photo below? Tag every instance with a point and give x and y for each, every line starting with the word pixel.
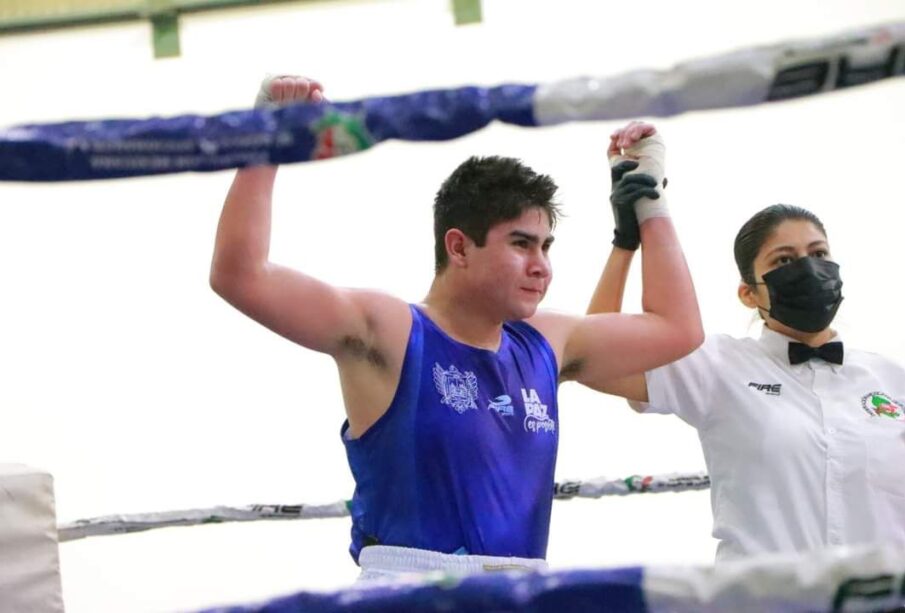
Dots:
pixel 800 457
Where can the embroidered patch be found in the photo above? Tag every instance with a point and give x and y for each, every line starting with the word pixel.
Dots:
pixel 879 404
pixel 457 390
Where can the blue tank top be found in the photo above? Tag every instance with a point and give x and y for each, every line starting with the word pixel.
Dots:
pixel 463 459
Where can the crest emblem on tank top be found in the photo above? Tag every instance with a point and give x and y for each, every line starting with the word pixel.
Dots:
pixel 879 404
pixel 536 418
pixel 457 389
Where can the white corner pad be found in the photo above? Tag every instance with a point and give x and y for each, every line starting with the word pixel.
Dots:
pixel 29 554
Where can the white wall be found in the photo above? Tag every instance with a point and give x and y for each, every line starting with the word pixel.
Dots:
pixel 126 377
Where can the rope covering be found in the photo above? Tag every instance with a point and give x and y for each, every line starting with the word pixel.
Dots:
pixel 847 579
pixel 139 522
pixel 115 148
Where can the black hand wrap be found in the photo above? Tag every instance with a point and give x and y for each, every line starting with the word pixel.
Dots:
pixel 627 190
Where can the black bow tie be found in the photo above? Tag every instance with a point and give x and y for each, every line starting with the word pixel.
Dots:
pixel 830 352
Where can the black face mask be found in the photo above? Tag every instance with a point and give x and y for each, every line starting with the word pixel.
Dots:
pixel 804 294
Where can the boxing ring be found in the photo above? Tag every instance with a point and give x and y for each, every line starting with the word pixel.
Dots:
pixel 870 579
pixel 847 579
pixel 120 148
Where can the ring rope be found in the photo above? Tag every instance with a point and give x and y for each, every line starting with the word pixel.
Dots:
pixel 846 579
pixel 115 148
pixel 140 522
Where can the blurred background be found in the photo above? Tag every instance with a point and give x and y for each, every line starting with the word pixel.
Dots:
pixel 140 390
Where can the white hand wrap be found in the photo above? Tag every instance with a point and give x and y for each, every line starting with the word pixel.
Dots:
pixel 264 100
pixel 650 152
